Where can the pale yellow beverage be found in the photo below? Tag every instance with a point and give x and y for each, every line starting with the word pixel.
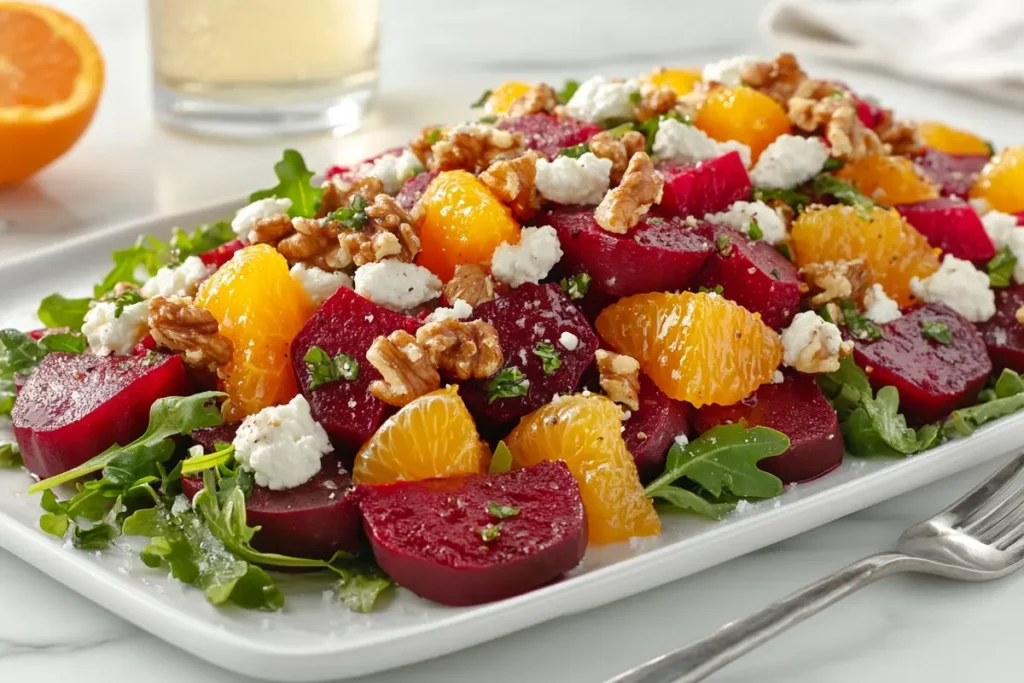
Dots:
pixel 274 66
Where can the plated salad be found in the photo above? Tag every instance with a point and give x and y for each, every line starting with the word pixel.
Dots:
pixel 456 365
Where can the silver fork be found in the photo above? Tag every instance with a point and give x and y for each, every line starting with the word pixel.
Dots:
pixel 978 538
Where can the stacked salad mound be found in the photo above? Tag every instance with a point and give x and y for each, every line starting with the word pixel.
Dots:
pixel 455 365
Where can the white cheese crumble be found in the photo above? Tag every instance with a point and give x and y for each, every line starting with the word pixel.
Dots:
pixel 999 226
pixel 598 99
pixel 107 334
pixel 980 205
pixel 529 261
pixel 460 310
pixel 281 445
pixel 809 330
pixel 740 215
pixel 728 71
pixel 682 144
pixel 318 284
pixel 778 377
pixel 878 307
pixel 397 285
pixel 959 285
pixel 789 161
pixel 682 439
pixel 180 281
pixel 574 181
pixel 569 341
pixel 392 170
pixel 246 218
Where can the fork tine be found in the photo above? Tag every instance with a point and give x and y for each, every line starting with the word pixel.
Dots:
pixel 999 528
pixel 990 515
pixel 977 501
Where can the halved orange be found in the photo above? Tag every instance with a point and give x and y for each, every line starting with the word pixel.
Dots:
pixel 51 76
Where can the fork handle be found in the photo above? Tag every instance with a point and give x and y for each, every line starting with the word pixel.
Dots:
pixel 701 658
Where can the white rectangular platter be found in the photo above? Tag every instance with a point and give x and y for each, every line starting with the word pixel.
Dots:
pixel 315 638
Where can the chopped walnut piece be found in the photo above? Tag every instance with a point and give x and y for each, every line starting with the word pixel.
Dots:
pixel 620 378
pixel 834 280
pixel 471 147
pixel 467 349
pixel 778 78
pixel 812 345
pixel 179 325
pixel 1019 315
pixel 338 193
pixel 309 241
pixel 540 98
pixel 902 137
pixel 513 182
pixel 406 367
pixel 471 283
pixel 618 150
pixel 390 232
pixel 624 206
pixel 654 101
pixel 824 108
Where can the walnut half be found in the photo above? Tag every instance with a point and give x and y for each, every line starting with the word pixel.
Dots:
pixel 624 206
pixel 471 283
pixel 513 182
pixel 465 349
pixel 177 324
pixel 834 280
pixel 620 378
pixel 406 367
pixel 390 232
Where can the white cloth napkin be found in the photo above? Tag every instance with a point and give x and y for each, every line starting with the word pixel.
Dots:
pixel 976 45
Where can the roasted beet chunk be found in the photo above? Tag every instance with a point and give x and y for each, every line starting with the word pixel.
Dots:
pixel 952 225
pixel 413 189
pixel 706 187
pixel 74 406
pixel 219 256
pixel 548 134
pixel 1003 335
pixel 954 173
pixel 470 540
pixel 753 274
pixel 798 409
pixel 651 430
pixel 528 321
pixel 933 356
pixel 346 323
pixel 658 255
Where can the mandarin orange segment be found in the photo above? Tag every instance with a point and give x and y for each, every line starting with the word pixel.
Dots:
pixel 952 140
pixel 888 179
pixel 51 76
pixel 432 436
pixel 502 97
pixel 585 432
pixel 699 348
pixel 260 308
pixel 891 248
pixel 742 114
pixel 682 81
pixel 462 223
pixel 1001 182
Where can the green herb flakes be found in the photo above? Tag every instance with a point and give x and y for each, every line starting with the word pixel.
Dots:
pixel 490 532
pixel 501 511
pixel 482 100
pixel 937 331
pixel 129 298
pixel 755 231
pixel 574 152
pixel 323 369
pixel 510 382
pixel 1001 267
pixel 549 357
pixel 576 286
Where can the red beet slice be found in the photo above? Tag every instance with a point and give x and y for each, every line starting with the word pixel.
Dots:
pixel 528 316
pixel 658 255
pixel 427 534
pixel 706 187
pixel 1003 335
pixel 954 173
pixel 660 420
pixel 222 254
pixel 798 409
pixel 754 274
pixel 413 189
pixel 74 406
pixel 1020 218
pixel 933 378
pixel 346 323
pixel 548 134
pixel 951 224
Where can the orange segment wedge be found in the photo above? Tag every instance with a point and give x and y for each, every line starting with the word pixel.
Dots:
pixel 742 114
pixel 432 436
pixel 585 432
pixel 683 81
pixel 700 348
pixel 952 140
pixel 502 97
pixel 51 75
pixel 888 179
pixel 1001 182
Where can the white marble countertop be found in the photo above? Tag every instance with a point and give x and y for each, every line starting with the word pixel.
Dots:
pixel 433 61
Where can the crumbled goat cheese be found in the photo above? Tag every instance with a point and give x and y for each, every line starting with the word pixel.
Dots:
pixel 959 285
pixel 1003 230
pixel 598 99
pixel 682 144
pixel 740 214
pixel 682 439
pixel 107 334
pixel 460 310
pixel 246 218
pixel 392 170
pixel 569 341
pixel 397 285
pixel 318 284
pixel 802 332
pixel 281 445
pixel 530 260
pixel 878 307
pixel 980 205
pixel 574 181
pixel 789 161
pixel 177 281
pixel 728 71
pixel 778 377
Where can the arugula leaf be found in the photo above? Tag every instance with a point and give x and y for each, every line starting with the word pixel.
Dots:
pixel 574 152
pixel 10 455
pixel 488 119
pixel 832 164
pixel 860 327
pixel 19 353
pixel 100 535
pixel 1001 267
pixel 1009 398
pixel 501 461
pixel 202 239
pixel 576 286
pixel 323 369
pixel 140 260
pixel 568 90
pixel 204 461
pixel 937 331
pixel 550 360
pixel 795 200
pixel 168 417
pixel 68 342
pixel 362 585
pixel 293 183
pixel 508 383
pixel 689 501
pixel 482 100
pixel 59 311
pixel 828 184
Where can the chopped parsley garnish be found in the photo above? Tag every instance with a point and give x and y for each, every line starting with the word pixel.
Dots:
pixel 775 273
pixel 795 200
pixel 722 243
pixel 490 532
pixel 488 119
pixel 576 286
pixel 859 326
pixel 510 382
pixel 129 298
pixel 433 136
pixel 785 251
pixel 635 97
pixel 323 369
pixel 718 289
pixel 832 164
pixel 501 511
pixel 828 184
pixel 568 90
pixel 354 216
pixel 501 461
pixel 574 152
pixel 480 101
pixel 936 331
pixel 1001 267
pixel 549 357
pixel 755 231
